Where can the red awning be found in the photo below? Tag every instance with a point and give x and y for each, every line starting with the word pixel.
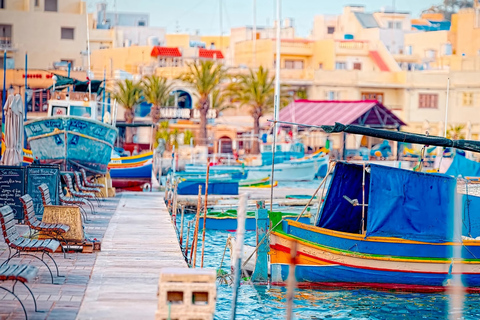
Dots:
pixel 378 60
pixel 210 54
pixel 158 51
pixel 317 113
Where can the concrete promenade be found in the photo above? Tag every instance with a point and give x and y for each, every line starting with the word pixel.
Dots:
pixel 120 281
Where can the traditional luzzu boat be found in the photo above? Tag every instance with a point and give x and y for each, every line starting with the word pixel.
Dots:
pixel 71 135
pixel 386 228
pixel 402 240
pixel 131 172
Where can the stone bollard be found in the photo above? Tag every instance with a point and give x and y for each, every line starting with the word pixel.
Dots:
pixel 260 273
pixel 186 294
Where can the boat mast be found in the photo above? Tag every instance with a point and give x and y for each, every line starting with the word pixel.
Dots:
pixel 276 103
pixel 446 106
pixel 89 76
pixel 254 35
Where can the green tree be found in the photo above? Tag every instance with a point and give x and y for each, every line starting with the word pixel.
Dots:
pixel 205 77
pixel 455 132
pixel 449 7
pixel 156 91
pixel 256 90
pixel 128 94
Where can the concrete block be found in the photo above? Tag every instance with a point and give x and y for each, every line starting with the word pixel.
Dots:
pixel 189 316
pixel 187 292
pixel 187 275
pixel 191 297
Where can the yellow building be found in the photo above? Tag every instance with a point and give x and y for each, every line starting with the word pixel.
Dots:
pixel 51 31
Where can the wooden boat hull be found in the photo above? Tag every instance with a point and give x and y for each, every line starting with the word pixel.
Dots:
pixel 416 266
pixel 215 223
pixel 73 142
pixel 132 160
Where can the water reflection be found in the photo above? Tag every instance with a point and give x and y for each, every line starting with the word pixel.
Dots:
pixel 268 302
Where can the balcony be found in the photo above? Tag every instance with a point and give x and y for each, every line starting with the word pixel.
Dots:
pixel 351 47
pixel 295 47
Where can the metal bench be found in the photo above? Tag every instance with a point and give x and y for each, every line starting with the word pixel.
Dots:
pixel 82 188
pixel 22 273
pixel 20 245
pixel 71 201
pixel 90 184
pixel 87 196
pixel 54 230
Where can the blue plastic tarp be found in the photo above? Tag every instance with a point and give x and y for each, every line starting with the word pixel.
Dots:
pixel 464 167
pixel 470 216
pixel 338 213
pixel 410 205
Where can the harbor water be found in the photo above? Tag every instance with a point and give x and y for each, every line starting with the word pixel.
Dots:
pixel 269 302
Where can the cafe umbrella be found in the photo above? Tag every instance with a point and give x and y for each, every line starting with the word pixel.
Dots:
pixel 13 155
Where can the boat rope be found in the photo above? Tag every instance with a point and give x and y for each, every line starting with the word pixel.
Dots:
pixel 466 210
pixel 224 250
pixel 316 191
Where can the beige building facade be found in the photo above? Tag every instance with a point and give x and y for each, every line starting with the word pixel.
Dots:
pixel 51 31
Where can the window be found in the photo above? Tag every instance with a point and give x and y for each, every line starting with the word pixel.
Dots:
pixel 428 100
pixel 357 66
pixel 320 66
pixel 51 5
pixel 68 33
pixel 467 99
pixel 333 95
pixel 340 65
pixel 430 54
pixel 408 50
pixel 293 64
pixel 373 96
pixel 330 30
pixel 390 24
pixel 398 25
pixel 2 4
pixel 141 23
pixel 37 3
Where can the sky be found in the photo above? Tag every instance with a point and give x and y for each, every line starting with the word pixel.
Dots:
pixel 188 16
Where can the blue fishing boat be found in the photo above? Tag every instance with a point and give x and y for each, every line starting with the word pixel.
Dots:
pixel 386 228
pixel 72 136
pixel 404 239
pixel 131 172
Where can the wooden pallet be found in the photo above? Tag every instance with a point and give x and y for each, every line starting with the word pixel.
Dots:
pixel 83 247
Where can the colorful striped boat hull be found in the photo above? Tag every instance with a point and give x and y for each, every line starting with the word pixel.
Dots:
pixel 331 258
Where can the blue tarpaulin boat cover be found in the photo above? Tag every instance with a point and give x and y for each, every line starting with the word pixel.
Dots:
pixel 410 205
pixel 337 213
pixel 471 216
pixel 464 167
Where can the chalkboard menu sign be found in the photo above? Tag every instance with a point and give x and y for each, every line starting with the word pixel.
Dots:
pixel 12 187
pixel 36 175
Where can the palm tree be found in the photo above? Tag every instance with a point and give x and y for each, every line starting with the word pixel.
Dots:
pixel 156 91
pixel 205 78
pixel 256 90
pixel 128 94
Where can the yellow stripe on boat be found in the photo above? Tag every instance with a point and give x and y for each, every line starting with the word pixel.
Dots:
pixel 360 237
